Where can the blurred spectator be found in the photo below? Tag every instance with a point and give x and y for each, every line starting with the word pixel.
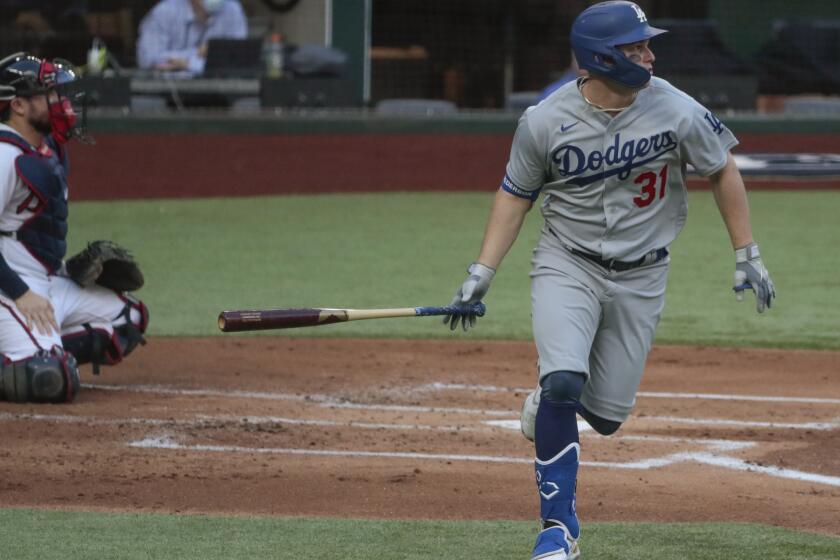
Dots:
pixel 44 15
pixel 572 72
pixel 49 28
pixel 174 34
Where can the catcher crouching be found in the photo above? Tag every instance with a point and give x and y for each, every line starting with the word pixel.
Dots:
pixel 54 315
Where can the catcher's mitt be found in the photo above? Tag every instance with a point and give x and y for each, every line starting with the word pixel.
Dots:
pixel 107 264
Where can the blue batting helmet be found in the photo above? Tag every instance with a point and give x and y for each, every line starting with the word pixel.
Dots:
pixel 597 32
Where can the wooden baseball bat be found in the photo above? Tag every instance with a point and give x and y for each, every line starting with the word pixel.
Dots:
pixel 264 319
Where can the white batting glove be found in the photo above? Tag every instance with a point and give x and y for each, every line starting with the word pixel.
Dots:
pixel 471 291
pixel 750 273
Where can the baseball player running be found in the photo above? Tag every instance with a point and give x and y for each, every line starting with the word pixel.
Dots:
pixel 609 152
pixel 48 323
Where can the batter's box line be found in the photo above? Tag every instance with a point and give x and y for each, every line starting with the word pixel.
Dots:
pixel 239 421
pixel 818 426
pixel 584 426
pixel 166 442
pixel 327 401
pixel 644 394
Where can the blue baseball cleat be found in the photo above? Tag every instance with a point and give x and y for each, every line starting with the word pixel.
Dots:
pixel 556 543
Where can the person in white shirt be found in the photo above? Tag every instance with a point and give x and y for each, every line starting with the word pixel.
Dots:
pixel 174 34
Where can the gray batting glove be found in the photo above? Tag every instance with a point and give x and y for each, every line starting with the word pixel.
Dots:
pixel 751 274
pixel 471 291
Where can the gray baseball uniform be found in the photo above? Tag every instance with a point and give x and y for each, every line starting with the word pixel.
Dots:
pixel 615 192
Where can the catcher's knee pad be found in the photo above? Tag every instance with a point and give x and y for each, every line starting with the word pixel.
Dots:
pixel 98 345
pixel 601 425
pixel 47 376
pixel 563 386
pixel 94 345
pixel 136 321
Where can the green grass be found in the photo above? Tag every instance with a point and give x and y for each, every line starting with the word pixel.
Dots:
pixel 47 535
pixel 202 256
pixel 404 250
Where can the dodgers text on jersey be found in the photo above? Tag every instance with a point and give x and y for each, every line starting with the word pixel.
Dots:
pixel 572 161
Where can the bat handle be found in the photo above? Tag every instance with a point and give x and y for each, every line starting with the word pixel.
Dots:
pixel 479 309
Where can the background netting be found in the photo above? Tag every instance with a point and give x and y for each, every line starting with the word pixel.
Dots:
pixel 477 53
pixel 485 53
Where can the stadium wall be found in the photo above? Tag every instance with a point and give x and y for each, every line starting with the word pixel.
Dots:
pixel 207 158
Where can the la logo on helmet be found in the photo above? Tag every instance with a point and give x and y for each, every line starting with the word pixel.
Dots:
pixel 639 13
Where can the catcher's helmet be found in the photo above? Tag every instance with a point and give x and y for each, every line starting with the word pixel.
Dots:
pixel 25 75
pixel 597 32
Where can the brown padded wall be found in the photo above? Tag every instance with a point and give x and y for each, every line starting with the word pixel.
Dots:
pixel 188 165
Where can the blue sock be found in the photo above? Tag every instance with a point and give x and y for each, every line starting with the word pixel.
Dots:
pixel 555 428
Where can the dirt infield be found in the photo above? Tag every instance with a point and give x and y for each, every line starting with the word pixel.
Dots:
pixel 424 429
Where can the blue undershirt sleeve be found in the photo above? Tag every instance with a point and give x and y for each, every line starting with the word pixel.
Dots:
pixel 10 282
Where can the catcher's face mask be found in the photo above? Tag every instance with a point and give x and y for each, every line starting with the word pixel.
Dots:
pixel 68 109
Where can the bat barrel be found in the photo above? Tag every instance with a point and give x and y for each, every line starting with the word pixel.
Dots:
pixel 265 319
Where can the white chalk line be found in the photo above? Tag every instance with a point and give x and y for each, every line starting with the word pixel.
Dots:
pixel 89 420
pixel 325 401
pixel 714 444
pixel 204 420
pixel 739 465
pixel 167 442
pixel 744 423
pixel 331 402
pixel 163 390
pixel 699 457
pixel 644 394
pixel 583 426
pixel 752 398
pixel 732 463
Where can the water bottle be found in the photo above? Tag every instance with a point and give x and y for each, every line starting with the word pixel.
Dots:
pixel 96 57
pixel 274 56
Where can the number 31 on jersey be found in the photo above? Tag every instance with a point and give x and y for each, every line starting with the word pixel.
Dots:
pixel 648 191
